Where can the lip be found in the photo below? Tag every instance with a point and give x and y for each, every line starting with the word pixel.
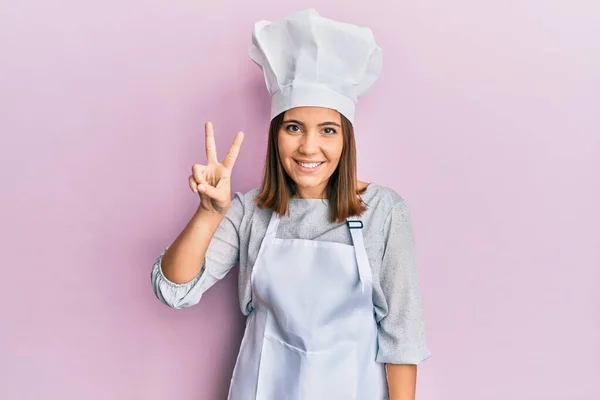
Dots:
pixel 304 170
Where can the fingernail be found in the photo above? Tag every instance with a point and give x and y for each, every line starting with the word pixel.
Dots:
pixel 201 188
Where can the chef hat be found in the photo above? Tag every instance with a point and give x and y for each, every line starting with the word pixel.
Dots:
pixel 309 60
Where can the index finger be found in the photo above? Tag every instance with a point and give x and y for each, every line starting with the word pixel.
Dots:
pixel 211 147
pixel 234 150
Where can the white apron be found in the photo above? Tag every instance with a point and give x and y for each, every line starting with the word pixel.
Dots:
pixel 312 334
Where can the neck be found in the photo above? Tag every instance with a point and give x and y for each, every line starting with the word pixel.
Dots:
pixel 318 192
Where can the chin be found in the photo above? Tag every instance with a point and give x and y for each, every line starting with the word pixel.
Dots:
pixel 310 183
pixel 308 186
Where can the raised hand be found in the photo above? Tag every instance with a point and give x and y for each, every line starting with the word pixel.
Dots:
pixel 213 180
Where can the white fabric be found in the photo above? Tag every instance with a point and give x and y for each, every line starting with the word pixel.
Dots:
pixel 312 334
pixel 309 60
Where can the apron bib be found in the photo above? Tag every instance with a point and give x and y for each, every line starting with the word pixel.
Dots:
pixel 312 334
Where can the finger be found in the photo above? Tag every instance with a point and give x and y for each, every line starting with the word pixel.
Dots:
pixel 205 188
pixel 197 172
pixel 222 182
pixel 193 184
pixel 234 151
pixel 211 148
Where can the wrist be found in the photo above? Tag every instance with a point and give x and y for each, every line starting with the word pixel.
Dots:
pixel 212 217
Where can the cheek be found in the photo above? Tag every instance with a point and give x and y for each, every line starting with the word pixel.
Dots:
pixel 333 151
pixel 286 148
pixel 283 146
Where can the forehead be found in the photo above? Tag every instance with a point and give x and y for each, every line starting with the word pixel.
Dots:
pixel 310 115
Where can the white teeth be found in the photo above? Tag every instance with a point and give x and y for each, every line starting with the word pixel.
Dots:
pixel 310 165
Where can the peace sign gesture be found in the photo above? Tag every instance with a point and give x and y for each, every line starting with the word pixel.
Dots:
pixel 213 181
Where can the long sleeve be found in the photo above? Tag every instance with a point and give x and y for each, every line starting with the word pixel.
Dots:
pixel 401 334
pixel 221 256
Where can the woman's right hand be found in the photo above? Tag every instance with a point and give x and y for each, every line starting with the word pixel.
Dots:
pixel 213 181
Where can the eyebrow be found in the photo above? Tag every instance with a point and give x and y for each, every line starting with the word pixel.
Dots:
pixel 295 121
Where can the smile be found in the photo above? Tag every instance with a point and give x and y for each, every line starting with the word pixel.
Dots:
pixel 309 164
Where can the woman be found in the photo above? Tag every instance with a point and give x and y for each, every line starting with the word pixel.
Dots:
pixel 328 277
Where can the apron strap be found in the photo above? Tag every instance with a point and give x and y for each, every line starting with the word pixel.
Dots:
pixel 356 226
pixel 270 234
pixel 273 224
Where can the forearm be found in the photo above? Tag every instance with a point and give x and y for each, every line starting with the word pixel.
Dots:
pixel 184 258
pixel 402 381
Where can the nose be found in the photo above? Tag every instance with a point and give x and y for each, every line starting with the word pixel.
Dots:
pixel 309 144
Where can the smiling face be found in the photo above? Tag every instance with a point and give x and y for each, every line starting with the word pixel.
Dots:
pixel 310 143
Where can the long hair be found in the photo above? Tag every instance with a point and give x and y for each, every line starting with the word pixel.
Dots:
pixel 342 190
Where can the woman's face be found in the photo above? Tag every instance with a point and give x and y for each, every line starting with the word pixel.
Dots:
pixel 310 144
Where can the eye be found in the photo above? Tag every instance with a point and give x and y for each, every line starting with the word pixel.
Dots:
pixel 329 131
pixel 292 128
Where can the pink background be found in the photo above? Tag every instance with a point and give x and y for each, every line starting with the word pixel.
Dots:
pixel 485 120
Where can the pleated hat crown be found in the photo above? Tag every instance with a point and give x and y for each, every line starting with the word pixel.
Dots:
pixel 309 60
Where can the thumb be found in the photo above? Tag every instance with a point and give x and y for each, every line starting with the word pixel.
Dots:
pixel 205 188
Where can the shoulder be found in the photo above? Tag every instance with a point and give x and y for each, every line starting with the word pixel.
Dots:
pixel 384 199
pixel 246 199
pixel 243 204
pixel 391 210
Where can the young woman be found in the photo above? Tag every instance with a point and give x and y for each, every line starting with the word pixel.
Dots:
pixel 328 276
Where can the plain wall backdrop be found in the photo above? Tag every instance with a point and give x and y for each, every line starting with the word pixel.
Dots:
pixel 485 119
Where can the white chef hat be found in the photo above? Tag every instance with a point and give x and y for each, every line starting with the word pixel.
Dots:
pixel 309 60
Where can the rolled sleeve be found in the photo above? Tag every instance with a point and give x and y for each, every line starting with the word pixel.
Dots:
pixel 175 295
pixel 401 331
